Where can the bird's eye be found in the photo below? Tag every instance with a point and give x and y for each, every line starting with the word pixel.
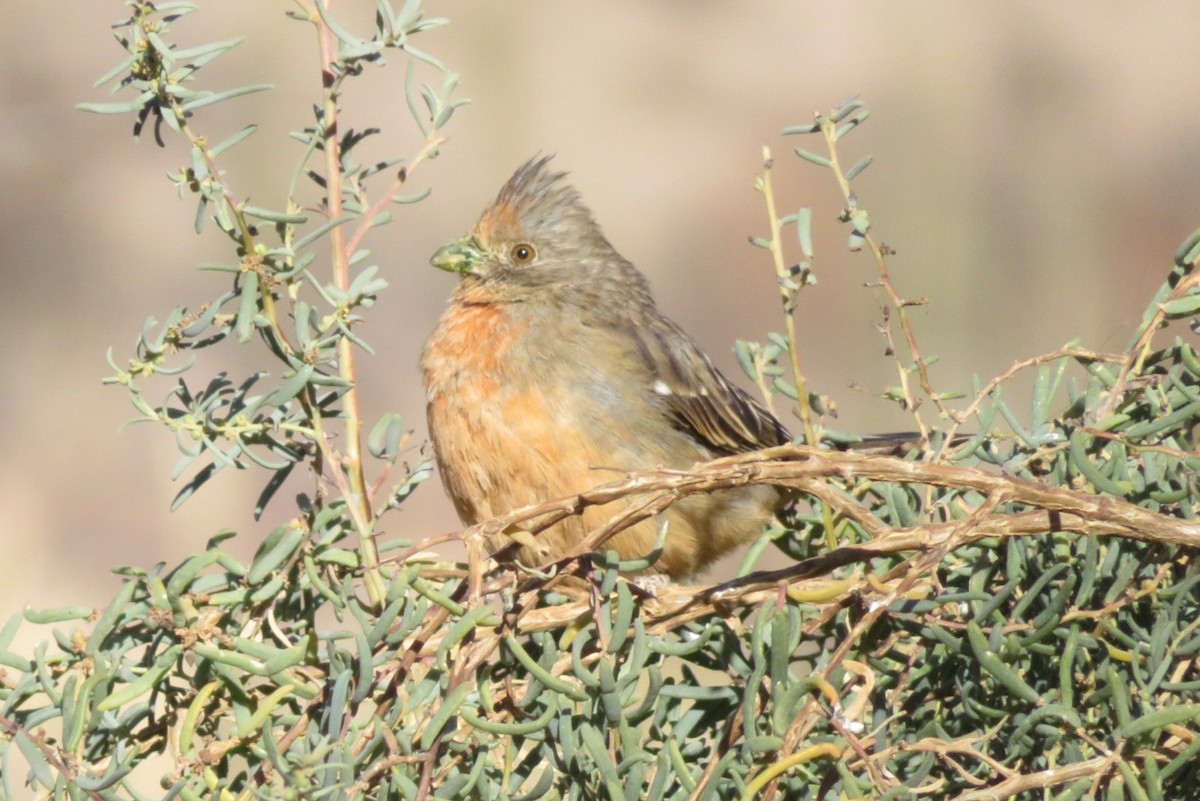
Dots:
pixel 523 253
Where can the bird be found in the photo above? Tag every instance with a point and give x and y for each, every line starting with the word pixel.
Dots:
pixel 552 366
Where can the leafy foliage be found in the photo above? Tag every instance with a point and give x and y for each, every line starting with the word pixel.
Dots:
pixel 1002 613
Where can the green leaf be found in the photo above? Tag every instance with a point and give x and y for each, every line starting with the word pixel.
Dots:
pixel 385 437
pixel 847 107
pixel 820 161
pixel 1189 250
pixel 247 307
pixel 38 764
pixel 275 216
pixel 335 27
pixel 804 230
pixel 744 351
pixel 859 167
pixel 116 108
pixel 225 144
pixel 59 615
pixel 144 683
pixel 319 232
pixel 209 98
pixel 121 69
pixel 410 96
pixel 808 128
pixel 210 50
pixel 447 709
pixel 856 121
pixel 1182 307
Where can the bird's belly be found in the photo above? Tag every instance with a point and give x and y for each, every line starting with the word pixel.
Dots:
pixel 506 451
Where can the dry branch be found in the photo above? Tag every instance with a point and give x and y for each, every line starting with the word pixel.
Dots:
pixel 796 466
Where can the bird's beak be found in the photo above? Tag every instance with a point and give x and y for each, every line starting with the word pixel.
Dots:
pixel 463 256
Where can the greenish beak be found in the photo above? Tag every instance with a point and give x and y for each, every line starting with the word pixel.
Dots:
pixel 463 256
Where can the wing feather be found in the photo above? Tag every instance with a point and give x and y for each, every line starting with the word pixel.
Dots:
pixel 701 400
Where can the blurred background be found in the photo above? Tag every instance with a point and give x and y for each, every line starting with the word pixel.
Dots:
pixel 1035 167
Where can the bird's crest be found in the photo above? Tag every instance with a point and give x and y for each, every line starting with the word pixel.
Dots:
pixel 535 200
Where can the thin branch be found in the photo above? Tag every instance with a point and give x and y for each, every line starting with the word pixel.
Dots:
pixel 972 410
pixel 794 465
pixel 789 299
pixel 1134 358
pixel 829 131
pixel 1029 782
pixel 428 150
pixel 358 499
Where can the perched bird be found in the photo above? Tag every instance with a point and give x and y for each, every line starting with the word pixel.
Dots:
pixel 553 366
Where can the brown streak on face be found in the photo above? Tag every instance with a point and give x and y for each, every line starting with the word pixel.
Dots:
pixel 500 223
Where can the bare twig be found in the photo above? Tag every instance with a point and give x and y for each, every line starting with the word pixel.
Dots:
pixel 1135 357
pixel 1029 782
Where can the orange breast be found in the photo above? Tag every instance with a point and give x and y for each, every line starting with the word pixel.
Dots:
pixel 471 342
pixel 500 423
pixel 470 375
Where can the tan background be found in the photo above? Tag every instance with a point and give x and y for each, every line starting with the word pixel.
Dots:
pixel 1035 167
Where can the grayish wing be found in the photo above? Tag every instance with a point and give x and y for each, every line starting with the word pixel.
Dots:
pixel 701 400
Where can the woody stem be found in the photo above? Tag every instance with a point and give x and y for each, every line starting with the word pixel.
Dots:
pixel 788 291
pixel 789 301
pixel 358 503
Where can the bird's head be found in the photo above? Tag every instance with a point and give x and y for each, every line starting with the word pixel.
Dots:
pixel 537 236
